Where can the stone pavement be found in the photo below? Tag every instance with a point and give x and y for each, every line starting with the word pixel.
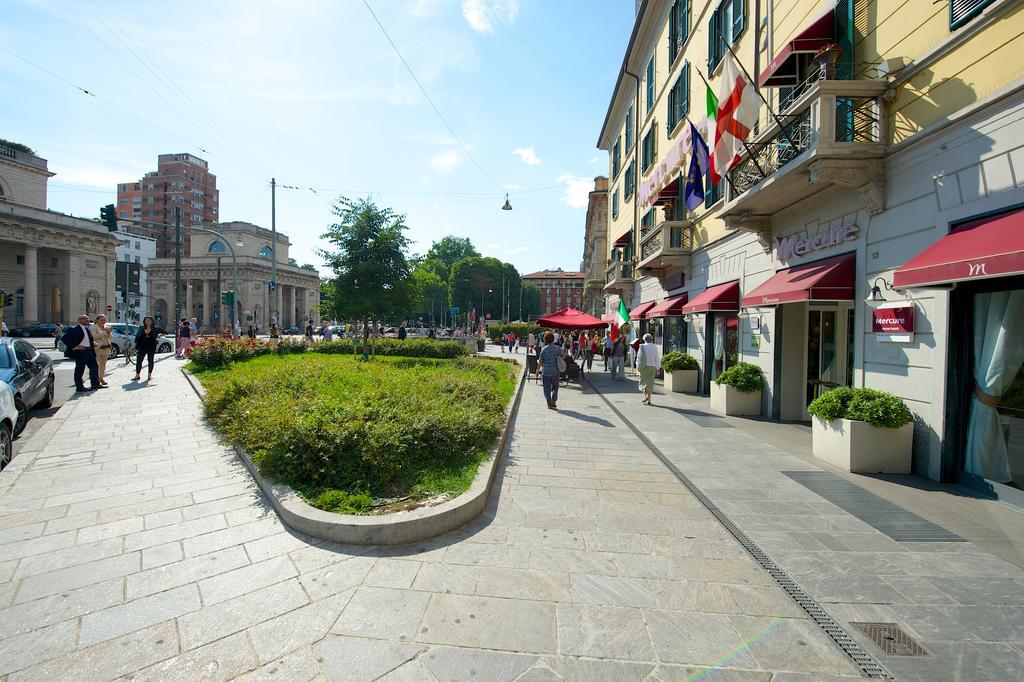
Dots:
pixel 134 545
pixel 964 605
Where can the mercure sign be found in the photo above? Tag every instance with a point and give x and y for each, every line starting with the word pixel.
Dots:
pixel 792 245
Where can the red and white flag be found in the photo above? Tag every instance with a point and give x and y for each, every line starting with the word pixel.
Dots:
pixel 738 106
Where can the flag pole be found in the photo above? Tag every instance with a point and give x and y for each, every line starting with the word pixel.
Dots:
pixel 757 89
pixel 745 144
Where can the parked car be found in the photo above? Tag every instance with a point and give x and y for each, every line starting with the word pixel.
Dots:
pixel 29 373
pixel 291 330
pixel 41 329
pixel 122 336
pixel 8 418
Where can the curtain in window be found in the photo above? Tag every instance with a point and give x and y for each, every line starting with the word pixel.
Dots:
pixel 998 356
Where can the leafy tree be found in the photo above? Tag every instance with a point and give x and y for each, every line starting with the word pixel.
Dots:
pixel 372 278
pixel 432 293
pixel 531 300
pixel 449 250
pixel 292 262
pixel 308 266
pixel 486 282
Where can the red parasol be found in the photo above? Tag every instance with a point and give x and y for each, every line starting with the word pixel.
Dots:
pixel 570 318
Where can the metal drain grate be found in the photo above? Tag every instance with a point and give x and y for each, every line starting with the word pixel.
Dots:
pixel 893 520
pixel 863 660
pixel 891 639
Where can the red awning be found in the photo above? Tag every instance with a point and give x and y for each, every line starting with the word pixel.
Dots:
pixel 668 194
pixel 719 298
pixel 623 238
pixel 783 69
pixel 570 318
pixel 640 312
pixel 669 307
pixel 823 280
pixel 610 318
pixel 990 247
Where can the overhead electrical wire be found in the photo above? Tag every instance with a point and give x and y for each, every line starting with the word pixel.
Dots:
pixel 429 99
pixel 173 87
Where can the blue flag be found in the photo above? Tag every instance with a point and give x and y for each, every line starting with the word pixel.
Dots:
pixel 694 194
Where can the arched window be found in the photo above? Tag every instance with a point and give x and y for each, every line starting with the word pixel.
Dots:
pixel 266 252
pixel 218 247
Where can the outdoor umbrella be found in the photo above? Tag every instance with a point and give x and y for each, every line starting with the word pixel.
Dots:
pixel 570 318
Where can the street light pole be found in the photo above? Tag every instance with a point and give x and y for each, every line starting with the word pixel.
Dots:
pixel 273 250
pixel 177 264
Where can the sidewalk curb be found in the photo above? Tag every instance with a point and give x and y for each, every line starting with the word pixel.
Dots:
pixel 397 528
pixel 40 440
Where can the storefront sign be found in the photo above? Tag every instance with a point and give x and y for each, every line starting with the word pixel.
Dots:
pixel 664 171
pixel 893 322
pixel 789 246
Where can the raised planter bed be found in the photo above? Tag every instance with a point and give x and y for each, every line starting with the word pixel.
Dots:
pixel 681 381
pixel 729 401
pixel 861 448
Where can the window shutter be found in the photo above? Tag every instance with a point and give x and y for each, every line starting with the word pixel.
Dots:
pixel 673 31
pixel 739 8
pixel 962 11
pixel 685 107
pixel 712 42
pixel 684 20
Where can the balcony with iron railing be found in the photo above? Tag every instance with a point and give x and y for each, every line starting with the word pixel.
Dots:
pixel 619 276
pixel 668 244
pixel 828 132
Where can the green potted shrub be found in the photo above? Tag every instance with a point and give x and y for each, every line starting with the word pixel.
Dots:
pixel 862 430
pixel 680 372
pixel 737 391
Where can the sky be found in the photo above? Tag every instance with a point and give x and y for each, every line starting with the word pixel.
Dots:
pixel 312 93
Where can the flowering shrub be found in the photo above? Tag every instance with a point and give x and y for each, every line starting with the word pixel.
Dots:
pixel 217 351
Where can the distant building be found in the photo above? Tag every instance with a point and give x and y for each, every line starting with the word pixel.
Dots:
pixel 181 181
pixel 206 274
pixel 57 266
pixel 595 248
pixel 558 289
pixel 130 276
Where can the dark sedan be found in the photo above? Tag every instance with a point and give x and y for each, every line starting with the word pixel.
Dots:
pixel 41 329
pixel 29 373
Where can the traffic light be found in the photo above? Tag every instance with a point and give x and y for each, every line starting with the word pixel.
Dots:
pixel 228 297
pixel 108 217
pixel 6 298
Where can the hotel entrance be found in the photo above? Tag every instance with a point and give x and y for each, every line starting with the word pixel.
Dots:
pixel 829 352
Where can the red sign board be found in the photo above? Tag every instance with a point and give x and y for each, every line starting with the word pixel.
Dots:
pixel 110 308
pixel 894 320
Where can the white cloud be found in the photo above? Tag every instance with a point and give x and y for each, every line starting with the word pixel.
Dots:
pixel 422 9
pixel 528 156
pixel 482 15
pixel 518 249
pixel 577 190
pixel 446 162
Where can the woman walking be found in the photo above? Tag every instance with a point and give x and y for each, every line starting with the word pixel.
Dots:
pixel 184 334
pixel 145 346
pixel 647 362
pixel 618 356
pixel 550 372
pixel 101 337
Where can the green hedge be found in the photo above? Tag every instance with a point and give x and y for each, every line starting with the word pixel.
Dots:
pixel 743 376
pixel 670 362
pixel 521 330
pixel 342 432
pixel 877 408
pixel 220 352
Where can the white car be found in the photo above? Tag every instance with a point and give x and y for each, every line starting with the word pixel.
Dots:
pixel 8 418
pixel 122 336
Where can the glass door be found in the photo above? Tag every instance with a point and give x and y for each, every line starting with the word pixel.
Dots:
pixel 725 343
pixel 827 350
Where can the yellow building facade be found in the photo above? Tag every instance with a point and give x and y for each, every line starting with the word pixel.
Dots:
pixel 888 127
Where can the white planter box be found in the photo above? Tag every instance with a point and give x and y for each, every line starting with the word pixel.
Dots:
pixel 727 400
pixel 861 448
pixel 681 381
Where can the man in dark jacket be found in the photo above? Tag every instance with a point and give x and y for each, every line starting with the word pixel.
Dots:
pixel 402 333
pixel 81 347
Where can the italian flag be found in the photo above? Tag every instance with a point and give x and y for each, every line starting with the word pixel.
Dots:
pixel 737 108
pixel 621 318
pixel 712 110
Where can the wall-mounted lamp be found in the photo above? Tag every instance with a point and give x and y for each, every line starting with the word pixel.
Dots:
pixel 688 317
pixel 875 297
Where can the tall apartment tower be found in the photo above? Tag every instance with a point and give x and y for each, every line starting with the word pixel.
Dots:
pixel 181 181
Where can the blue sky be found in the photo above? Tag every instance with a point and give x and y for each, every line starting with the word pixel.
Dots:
pixel 310 91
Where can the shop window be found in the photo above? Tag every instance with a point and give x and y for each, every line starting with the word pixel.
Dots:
pixel 679 99
pixel 675 335
pixel 962 11
pixel 724 343
pixel 724 29
pixel 678 28
pixel 616 157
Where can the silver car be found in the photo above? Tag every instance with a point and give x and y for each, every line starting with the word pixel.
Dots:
pixel 8 418
pixel 122 338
